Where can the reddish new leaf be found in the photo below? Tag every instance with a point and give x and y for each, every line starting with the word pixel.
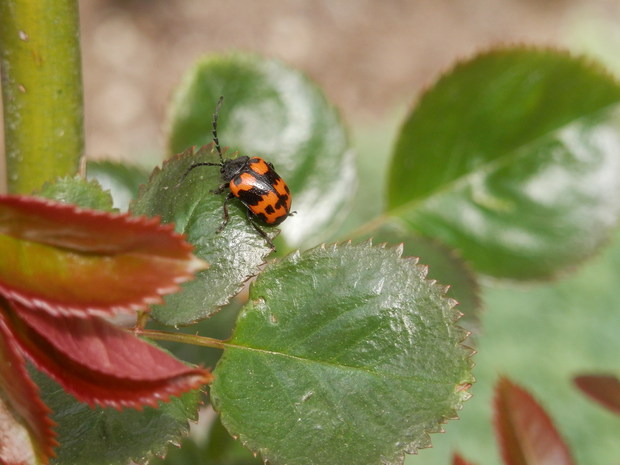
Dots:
pixel 525 431
pixel 458 460
pixel 25 427
pixel 72 261
pixel 604 389
pixel 99 363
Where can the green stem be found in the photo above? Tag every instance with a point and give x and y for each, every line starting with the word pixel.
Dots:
pixel 41 91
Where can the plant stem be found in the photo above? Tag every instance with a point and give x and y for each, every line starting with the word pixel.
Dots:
pixel 41 91
pixel 181 337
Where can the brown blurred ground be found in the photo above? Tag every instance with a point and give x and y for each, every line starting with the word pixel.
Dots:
pixel 370 56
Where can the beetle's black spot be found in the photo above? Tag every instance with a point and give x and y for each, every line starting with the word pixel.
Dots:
pixel 272 177
pixel 279 219
pixel 282 200
pixel 269 210
pixel 261 217
pixel 251 197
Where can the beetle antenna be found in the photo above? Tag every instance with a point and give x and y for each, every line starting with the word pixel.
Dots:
pixel 195 165
pixel 215 139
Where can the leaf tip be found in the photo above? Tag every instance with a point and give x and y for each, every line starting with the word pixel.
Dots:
pixel 523 427
pixel 196 264
pixel 601 388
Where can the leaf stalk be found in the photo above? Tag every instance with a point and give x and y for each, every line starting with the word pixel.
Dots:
pixel 193 339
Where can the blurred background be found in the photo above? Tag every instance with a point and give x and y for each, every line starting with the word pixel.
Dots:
pixel 372 58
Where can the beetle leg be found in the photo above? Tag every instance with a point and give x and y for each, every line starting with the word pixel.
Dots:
pixel 225 208
pixel 220 189
pixel 259 230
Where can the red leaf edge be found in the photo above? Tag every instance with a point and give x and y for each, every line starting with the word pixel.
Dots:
pixel 457 459
pixel 101 364
pixel 525 432
pixel 23 396
pixel 37 219
pixel 94 232
pixel 602 388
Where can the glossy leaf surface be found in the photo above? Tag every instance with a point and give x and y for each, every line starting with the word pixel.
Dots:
pixel 445 266
pixel 106 436
pixel 345 354
pixel 525 432
pixel 277 113
pixel 69 260
pixel 234 254
pixel 511 158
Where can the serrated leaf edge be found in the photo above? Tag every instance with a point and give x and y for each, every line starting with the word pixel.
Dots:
pixel 503 50
pixel 195 150
pixel 47 424
pixel 425 440
pixel 162 451
pixel 54 308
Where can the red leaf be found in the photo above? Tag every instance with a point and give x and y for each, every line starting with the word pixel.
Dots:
pixel 524 430
pixel 604 389
pixel 99 363
pixel 21 409
pixel 458 460
pixel 72 261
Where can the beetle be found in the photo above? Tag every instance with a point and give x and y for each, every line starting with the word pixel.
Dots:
pixel 254 182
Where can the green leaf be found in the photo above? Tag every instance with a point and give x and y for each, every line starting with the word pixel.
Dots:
pixel 120 179
pixel 275 112
pixel 543 336
pixel 234 254
pixel 84 194
pixel 345 354
pixel 445 265
pixel 222 449
pixel 216 447
pixel 105 436
pixel 218 326
pixel 512 158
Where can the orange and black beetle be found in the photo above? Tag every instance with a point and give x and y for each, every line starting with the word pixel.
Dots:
pixel 254 182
